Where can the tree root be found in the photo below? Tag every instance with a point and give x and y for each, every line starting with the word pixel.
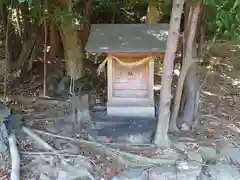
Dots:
pixel 124 157
pixel 51 154
pixel 132 147
pixel 38 139
pixel 15 172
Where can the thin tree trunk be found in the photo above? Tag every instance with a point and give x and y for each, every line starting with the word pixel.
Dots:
pixel 7 56
pixel 191 84
pixel 188 61
pixel 201 30
pixel 45 53
pixel 192 93
pixel 161 137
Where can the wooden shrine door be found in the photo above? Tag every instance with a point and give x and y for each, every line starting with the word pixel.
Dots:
pixel 130 82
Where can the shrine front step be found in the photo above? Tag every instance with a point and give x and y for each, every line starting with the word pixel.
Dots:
pixel 130 109
pixel 121 129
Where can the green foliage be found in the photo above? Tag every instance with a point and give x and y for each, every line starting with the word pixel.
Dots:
pixel 137 7
pixel 23 1
pixel 223 18
pixel 166 8
pixel 66 17
pixel 6 2
pixel 38 12
pixel 101 5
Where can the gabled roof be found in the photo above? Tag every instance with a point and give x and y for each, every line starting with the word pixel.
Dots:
pixel 127 38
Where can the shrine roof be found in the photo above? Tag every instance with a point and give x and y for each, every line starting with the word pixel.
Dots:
pixel 127 38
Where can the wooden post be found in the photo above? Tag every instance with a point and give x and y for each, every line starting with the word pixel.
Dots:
pixel 83 112
pixel 80 110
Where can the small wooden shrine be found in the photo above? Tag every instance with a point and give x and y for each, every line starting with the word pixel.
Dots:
pixel 131 50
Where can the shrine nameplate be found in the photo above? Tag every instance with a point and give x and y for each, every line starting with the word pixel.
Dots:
pixel 130 82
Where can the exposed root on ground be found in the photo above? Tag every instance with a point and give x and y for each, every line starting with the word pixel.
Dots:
pixel 125 158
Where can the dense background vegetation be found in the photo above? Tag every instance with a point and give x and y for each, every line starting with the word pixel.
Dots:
pixel 25 17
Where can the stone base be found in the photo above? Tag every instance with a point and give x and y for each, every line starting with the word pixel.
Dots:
pixel 131 109
pixel 134 130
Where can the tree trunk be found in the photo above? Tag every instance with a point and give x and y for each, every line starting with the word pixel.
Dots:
pixel 72 49
pixel 26 51
pixel 24 7
pixel 33 55
pixel 54 40
pixel 161 137
pixel 188 62
pixel 85 31
pixel 3 15
pixel 27 39
pixel 191 85
pixel 152 13
pixel 201 30
pixel 192 93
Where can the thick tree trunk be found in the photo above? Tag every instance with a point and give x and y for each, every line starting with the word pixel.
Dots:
pixel 161 137
pixel 152 12
pixel 71 43
pixel 72 49
pixel 54 40
pixel 188 62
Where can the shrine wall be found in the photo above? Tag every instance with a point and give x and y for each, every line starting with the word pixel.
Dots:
pixel 130 82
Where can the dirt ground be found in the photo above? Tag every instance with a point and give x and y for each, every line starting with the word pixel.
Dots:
pixel 220 83
pixel 219 107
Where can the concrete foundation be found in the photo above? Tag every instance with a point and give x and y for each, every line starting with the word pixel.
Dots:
pixel 131 109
